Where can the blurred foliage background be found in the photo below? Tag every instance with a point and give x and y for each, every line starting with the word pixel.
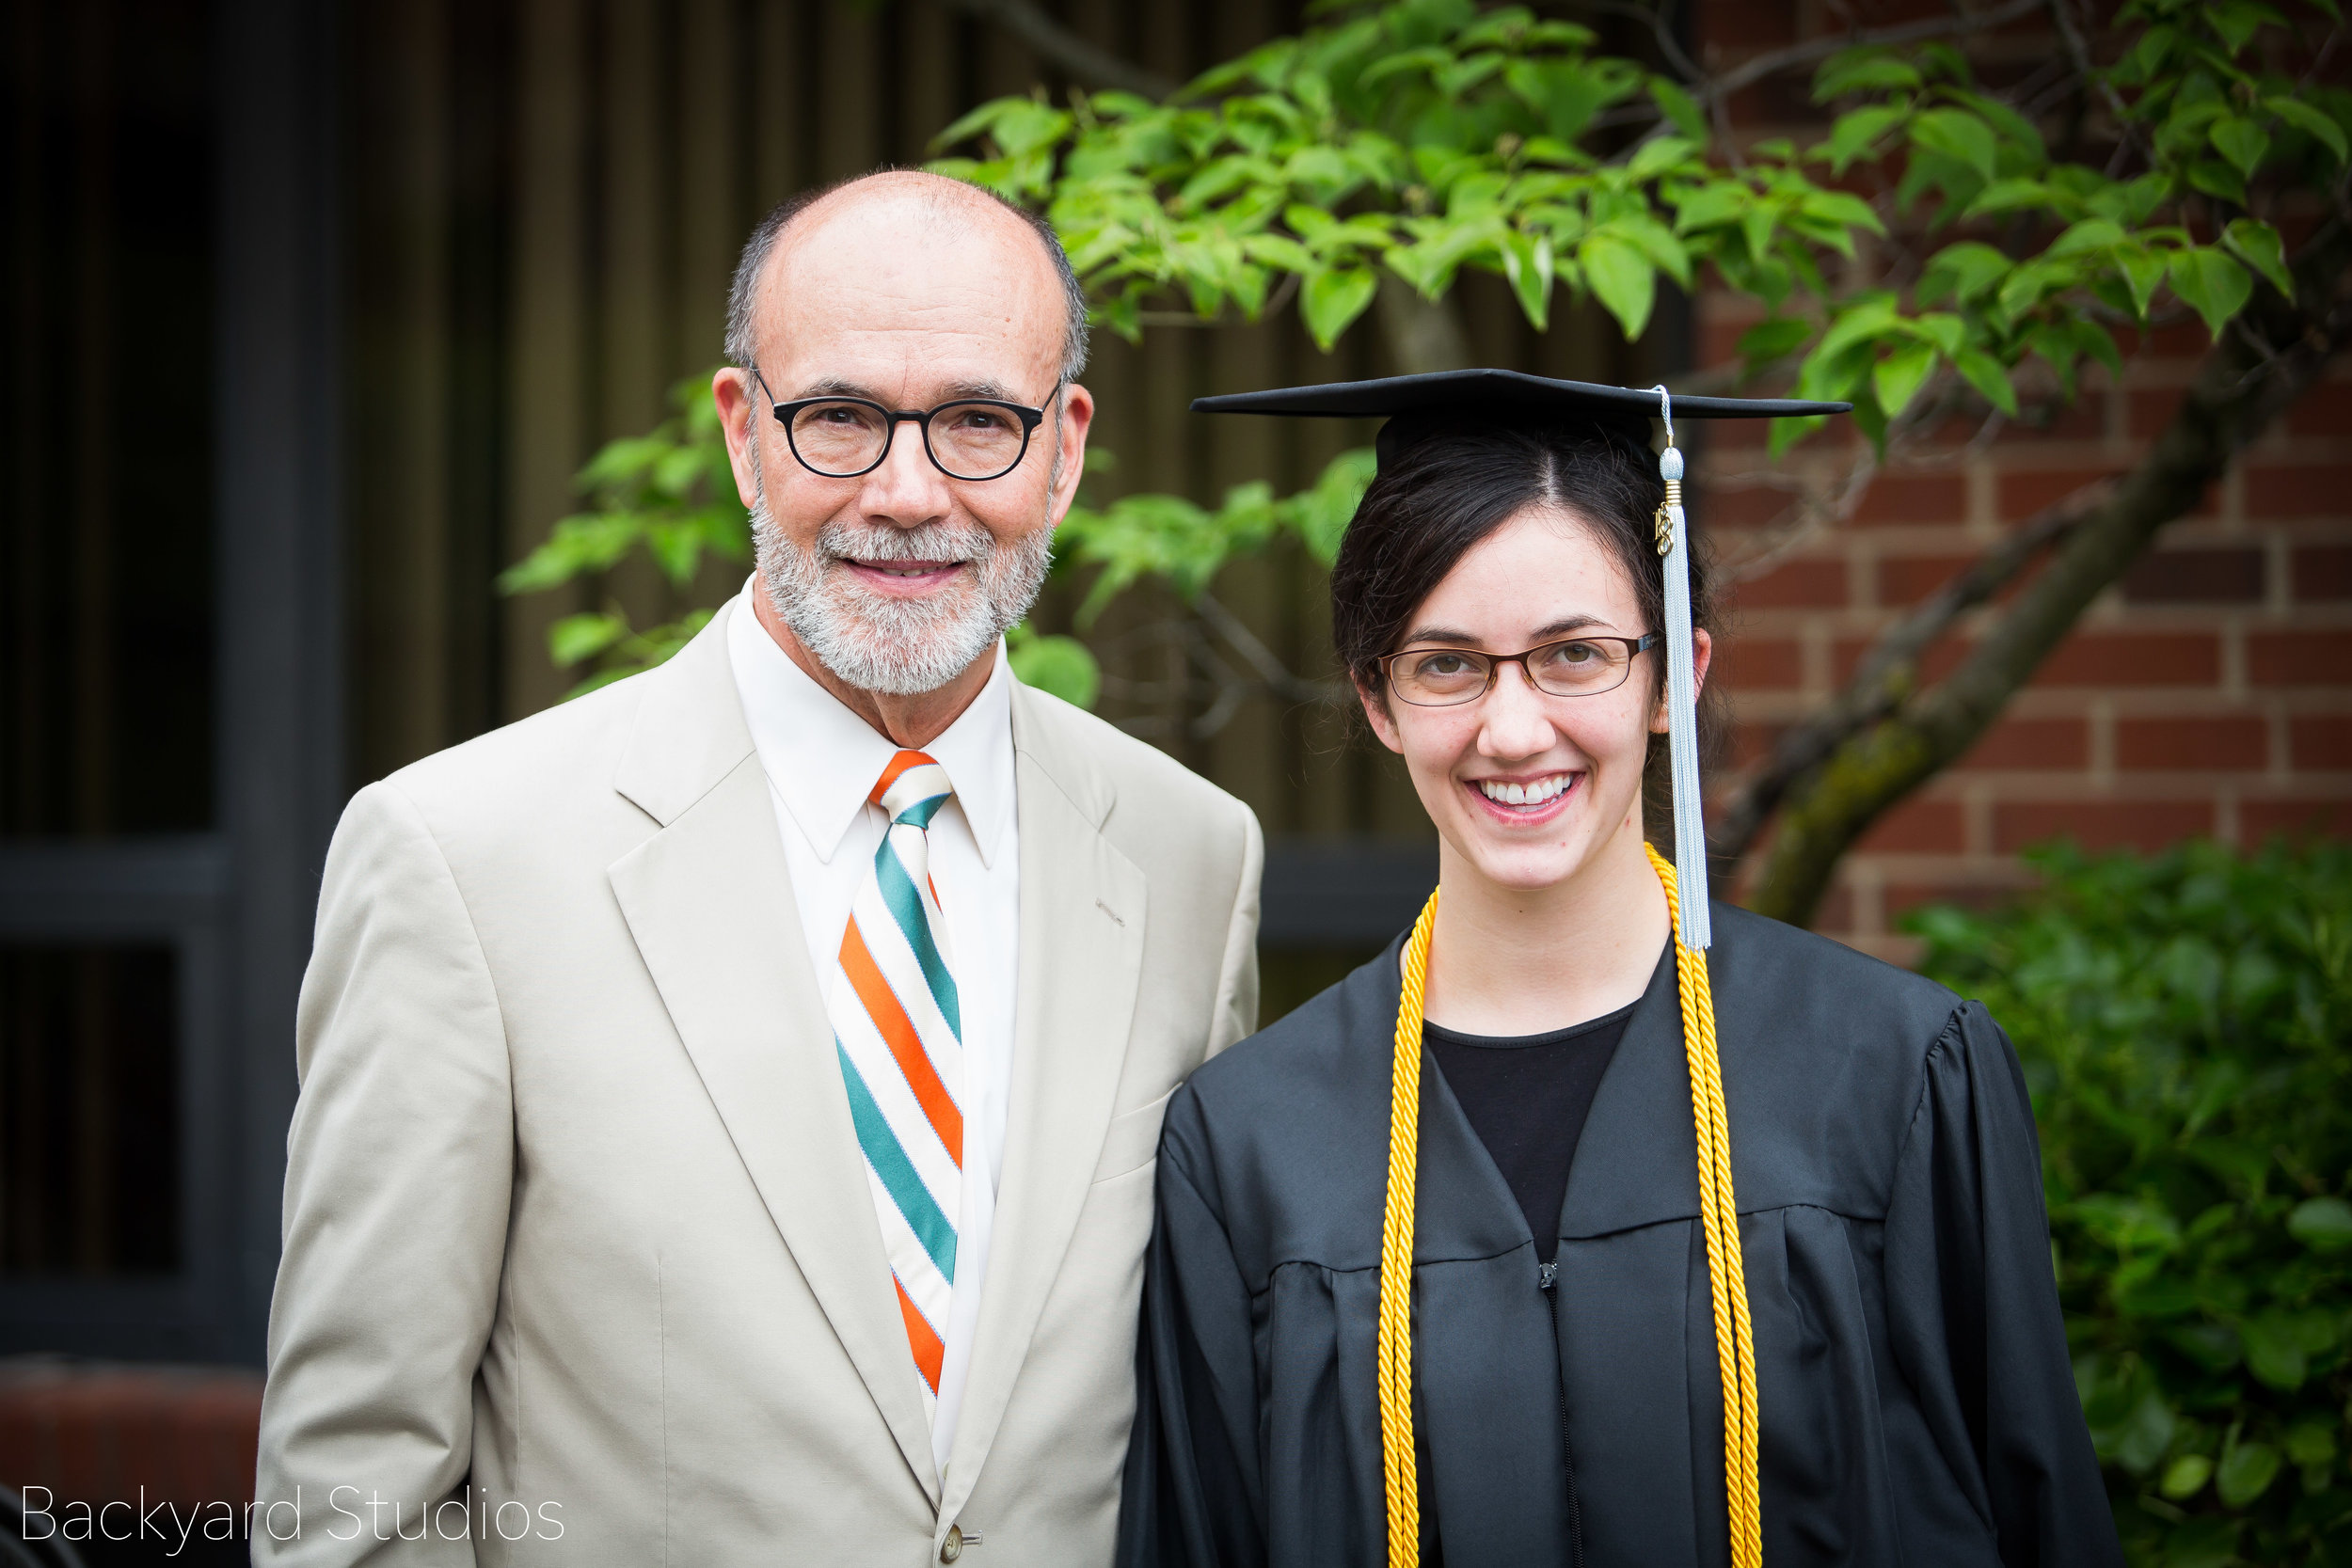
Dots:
pixel 2186 1025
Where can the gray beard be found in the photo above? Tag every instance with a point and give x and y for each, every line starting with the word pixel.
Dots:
pixel 898 647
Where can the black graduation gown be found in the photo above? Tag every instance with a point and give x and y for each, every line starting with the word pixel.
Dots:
pixel 1917 1399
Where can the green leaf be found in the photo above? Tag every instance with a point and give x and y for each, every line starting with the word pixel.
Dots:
pixel 1621 278
pixel 1865 317
pixel 2215 178
pixel 2143 271
pixel 2241 141
pixel 2090 234
pixel 2311 1443
pixel 1657 155
pixel 1770 339
pixel 2260 245
pixel 1527 262
pixel 1718 203
pixel 2245 1473
pixel 582 637
pixel 1957 134
pixel 2236 21
pixel 1062 666
pixel 2311 122
pixel 2274 1351
pixel 1862 71
pixel 2007 196
pixel 1332 300
pixel 2322 1224
pixel 1984 372
pixel 2144 1434
pixel 1940 327
pixel 1857 131
pixel 2213 1346
pixel 2185 1477
pixel 1844 209
pixel 1679 107
pixel 2211 284
pixel 1898 377
pixel 1962 271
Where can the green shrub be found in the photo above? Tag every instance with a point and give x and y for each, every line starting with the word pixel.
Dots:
pixel 2185 1024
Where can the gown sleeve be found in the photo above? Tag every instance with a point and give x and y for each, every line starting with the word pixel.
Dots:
pixel 1193 1495
pixel 1973 1311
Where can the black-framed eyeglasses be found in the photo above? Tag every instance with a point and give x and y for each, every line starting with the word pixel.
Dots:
pixel 1572 667
pixel 971 439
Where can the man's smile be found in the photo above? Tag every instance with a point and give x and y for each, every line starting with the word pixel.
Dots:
pixel 904 578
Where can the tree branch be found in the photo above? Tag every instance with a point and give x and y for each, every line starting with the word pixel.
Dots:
pixel 1778 60
pixel 1890 672
pixel 1081 62
pixel 2240 391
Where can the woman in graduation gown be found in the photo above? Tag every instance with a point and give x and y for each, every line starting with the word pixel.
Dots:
pixel 1499 604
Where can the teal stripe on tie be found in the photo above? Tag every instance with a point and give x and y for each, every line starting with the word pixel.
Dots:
pixel 897 1174
pixel 920 814
pixel 906 907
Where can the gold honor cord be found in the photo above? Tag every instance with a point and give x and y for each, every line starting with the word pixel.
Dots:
pixel 1394 1352
pixel 1719 1214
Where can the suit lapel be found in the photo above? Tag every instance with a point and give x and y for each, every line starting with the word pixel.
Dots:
pixel 709 903
pixel 1083 909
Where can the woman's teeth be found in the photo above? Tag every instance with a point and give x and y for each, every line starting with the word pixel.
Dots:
pixel 1534 793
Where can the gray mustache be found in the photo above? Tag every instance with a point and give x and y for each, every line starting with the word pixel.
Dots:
pixel 934 541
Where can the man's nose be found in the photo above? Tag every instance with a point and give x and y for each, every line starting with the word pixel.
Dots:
pixel 1515 721
pixel 907 488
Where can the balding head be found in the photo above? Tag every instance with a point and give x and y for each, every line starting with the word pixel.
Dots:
pixel 908 206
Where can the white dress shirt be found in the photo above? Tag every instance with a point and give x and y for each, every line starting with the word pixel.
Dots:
pixel 823 761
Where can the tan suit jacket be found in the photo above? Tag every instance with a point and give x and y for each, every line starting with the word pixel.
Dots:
pixel 574 1215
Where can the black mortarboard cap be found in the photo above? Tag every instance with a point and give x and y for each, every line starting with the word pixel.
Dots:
pixel 1497 397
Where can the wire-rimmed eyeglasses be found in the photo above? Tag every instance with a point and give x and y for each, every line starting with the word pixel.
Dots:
pixel 970 438
pixel 1572 667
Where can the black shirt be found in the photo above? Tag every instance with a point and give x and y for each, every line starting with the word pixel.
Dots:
pixel 1527 1097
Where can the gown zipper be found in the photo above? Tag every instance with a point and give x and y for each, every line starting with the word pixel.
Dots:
pixel 1547 1280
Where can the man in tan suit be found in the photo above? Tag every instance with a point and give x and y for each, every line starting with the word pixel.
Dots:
pixel 729 1100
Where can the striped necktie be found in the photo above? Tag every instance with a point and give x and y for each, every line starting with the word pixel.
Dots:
pixel 900 1033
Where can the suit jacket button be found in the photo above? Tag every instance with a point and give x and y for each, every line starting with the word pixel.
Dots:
pixel 952 1547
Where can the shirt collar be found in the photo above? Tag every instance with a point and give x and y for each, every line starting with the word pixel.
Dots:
pixel 823 760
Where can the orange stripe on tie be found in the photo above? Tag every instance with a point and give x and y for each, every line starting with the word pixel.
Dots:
pixel 929 1353
pixel 898 1032
pixel 899 765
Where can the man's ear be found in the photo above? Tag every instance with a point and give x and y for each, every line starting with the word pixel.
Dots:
pixel 1376 714
pixel 731 389
pixel 1071 423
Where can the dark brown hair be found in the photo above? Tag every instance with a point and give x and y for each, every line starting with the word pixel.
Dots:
pixel 1447 483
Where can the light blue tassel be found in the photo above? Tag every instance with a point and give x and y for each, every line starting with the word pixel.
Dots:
pixel 1682 728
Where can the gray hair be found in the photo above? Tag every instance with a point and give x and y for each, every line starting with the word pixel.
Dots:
pixel 743 293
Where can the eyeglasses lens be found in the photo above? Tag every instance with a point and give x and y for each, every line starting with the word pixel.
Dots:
pixel 976 441
pixel 1578 668
pixel 839 438
pixel 1441 676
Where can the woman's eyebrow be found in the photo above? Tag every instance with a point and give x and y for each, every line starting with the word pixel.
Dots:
pixel 1566 625
pixel 1454 636
pixel 1447 635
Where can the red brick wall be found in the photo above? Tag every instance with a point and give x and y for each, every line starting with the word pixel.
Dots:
pixel 2209 694
pixel 97 1434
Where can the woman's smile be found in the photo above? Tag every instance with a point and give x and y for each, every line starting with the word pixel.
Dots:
pixel 1525 801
